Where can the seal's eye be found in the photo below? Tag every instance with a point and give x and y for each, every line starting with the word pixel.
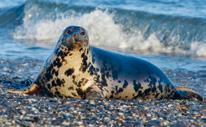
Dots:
pixel 82 33
pixel 69 32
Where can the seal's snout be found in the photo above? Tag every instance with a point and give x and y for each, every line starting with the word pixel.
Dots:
pixel 75 35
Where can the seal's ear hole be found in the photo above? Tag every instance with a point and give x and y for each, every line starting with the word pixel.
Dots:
pixel 82 33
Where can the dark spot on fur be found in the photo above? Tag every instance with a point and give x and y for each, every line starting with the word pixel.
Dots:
pixel 63 81
pixel 69 72
pixel 87 51
pixel 57 62
pixel 106 90
pixel 170 90
pixel 92 70
pixel 71 88
pixel 98 78
pixel 116 88
pixel 48 75
pixel 58 81
pixel 84 65
pixel 103 81
pixel 49 86
pixel 82 82
pixel 157 94
pixel 120 90
pixel 55 72
pixel 140 94
pixel 81 93
pixel 74 80
pixel 125 84
pixel 97 69
pixel 57 93
pixel 85 81
pixel 152 83
pixel 53 83
pixel 136 86
pixel 160 87
pixel 119 81
pixel 107 74
pixel 153 89
pixel 147 91
pixel 80 49
pixel 62 53
pixel 73 94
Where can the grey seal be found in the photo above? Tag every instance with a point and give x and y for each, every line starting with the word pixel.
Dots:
pixel 76 69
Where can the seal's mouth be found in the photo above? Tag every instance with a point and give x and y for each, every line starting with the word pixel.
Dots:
pixel 74 41
pixel 81 38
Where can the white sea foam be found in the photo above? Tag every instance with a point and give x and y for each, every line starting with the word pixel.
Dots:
pixel 103 31
pixel 199 49
pixel 9 3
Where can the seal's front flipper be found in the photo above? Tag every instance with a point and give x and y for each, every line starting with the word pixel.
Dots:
pixel 187 93
pixel 92 93
pixel 34 88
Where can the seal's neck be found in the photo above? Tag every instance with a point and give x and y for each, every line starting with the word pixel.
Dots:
pixel 78 56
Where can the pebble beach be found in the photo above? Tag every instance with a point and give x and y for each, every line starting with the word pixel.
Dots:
pixel 33 110
pixel 24 110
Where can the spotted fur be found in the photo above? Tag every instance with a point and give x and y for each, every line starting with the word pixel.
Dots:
pixel 75 69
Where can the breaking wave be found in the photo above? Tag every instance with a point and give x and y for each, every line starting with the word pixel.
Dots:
pixel 43 22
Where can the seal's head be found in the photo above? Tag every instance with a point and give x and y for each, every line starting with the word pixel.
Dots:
pixel 75 36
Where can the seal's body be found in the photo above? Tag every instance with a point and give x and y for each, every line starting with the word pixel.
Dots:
pixel 75 70
pixel 127 77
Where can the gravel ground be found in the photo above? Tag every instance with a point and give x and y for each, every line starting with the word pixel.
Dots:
pixel 31 110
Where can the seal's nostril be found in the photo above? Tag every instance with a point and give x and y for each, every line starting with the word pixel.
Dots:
pixel 82 33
